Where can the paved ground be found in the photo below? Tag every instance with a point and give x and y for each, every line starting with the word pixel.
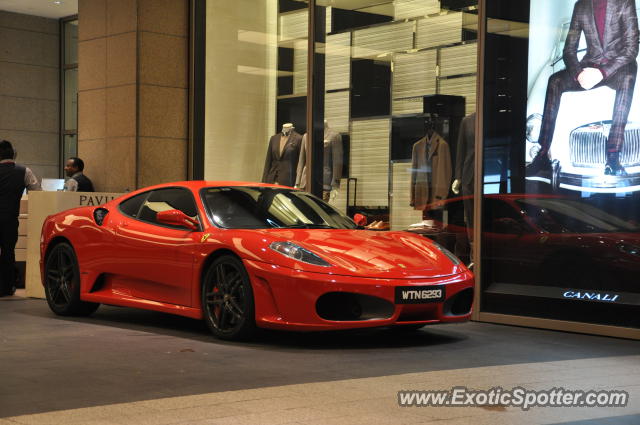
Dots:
pixel 124 366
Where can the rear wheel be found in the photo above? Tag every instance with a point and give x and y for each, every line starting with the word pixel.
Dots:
pixel 227 299
pixel 62 283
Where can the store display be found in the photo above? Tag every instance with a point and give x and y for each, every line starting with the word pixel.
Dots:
pixel 332 165
pixel 369 161
pixel 462 87
pixel 440 30
pixel 414 75
pixel 465 164
pixel 338 61
pixel 576 98
pixel 282 157
pixel 404 9
pixel 370 88
pixel 401 213
pixel 431 170
pixel 560 219
pixel 459 60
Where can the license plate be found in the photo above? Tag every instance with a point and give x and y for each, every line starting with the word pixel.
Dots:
pixel 419 294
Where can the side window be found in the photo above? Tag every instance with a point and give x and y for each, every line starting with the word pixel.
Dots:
pixel 131 206
pixel 168 199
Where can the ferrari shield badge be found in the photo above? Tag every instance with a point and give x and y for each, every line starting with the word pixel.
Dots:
pixel 205 237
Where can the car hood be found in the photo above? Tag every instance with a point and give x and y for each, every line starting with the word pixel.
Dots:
pixel 390 255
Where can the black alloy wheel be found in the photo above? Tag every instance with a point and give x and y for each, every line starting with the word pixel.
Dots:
pixel 227 299
pixel 62 283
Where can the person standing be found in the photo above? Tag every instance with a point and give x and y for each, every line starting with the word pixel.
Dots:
pixel 14 179
pixel 611 31
pixel 77 181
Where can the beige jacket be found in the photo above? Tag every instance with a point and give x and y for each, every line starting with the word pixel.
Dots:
pixel 430 171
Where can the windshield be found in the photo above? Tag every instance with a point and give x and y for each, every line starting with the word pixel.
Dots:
pixel 567 216
pixel 243 207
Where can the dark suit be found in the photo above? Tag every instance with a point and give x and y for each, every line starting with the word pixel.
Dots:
pixel 615 57
pixel 281 168
pixel 465 163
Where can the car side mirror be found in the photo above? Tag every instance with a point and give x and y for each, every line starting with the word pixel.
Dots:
pixel 177 218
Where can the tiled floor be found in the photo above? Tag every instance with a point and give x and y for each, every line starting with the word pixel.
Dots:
pixel 124 366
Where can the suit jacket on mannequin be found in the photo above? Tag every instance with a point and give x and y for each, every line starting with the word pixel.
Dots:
pixel 281 167
pixel 430 171
pixel 465 154
pixel 332 168
pixel 465 167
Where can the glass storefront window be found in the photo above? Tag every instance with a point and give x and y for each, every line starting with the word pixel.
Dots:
pixel 392 82
pixel 400 77
pixel 561 184
pixel 255 89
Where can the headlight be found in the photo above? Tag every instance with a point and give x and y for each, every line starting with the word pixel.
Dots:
pixel 534 151
pixel 455 260
pixel 534 124
pixel 296 252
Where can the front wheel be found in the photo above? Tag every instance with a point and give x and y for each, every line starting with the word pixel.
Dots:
pixel 227 299
pixel 62 283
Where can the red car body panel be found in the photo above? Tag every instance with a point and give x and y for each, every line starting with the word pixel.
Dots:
pixel 132 263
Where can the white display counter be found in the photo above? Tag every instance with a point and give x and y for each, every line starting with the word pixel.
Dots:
pixel 40 205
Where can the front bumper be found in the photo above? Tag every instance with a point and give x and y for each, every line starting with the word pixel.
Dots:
pixel 599 183
pixel 287 298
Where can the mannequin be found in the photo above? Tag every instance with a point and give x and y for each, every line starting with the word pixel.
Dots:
pixel 282 156
pixel 430 170
pixel 464 173
pixel 332 168
pixel 465 163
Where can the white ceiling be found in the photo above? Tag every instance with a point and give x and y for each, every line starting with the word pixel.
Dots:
pixel 45 8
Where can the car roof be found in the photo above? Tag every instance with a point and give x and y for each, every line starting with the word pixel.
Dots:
pixel 196 185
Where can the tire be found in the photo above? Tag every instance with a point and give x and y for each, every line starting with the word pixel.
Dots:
pixel 62 283
pixel 227 299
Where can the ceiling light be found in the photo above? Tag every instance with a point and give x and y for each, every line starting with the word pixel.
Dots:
pixel 57 2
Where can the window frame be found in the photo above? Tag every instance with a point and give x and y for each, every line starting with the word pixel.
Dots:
pixel 166 226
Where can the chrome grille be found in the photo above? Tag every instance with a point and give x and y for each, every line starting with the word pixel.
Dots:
pixel 588 145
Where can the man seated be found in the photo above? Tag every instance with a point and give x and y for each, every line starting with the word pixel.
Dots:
pixel 611 31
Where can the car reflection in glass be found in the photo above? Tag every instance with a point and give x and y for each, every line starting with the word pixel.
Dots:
pixel 546 240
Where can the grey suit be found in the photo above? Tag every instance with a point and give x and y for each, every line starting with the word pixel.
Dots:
pixel 281 167
pixel 465 164
pixel 615 57
pixel 465 154
pixel 332 166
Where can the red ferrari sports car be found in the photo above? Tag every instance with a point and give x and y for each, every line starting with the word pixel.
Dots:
pixel 247 255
